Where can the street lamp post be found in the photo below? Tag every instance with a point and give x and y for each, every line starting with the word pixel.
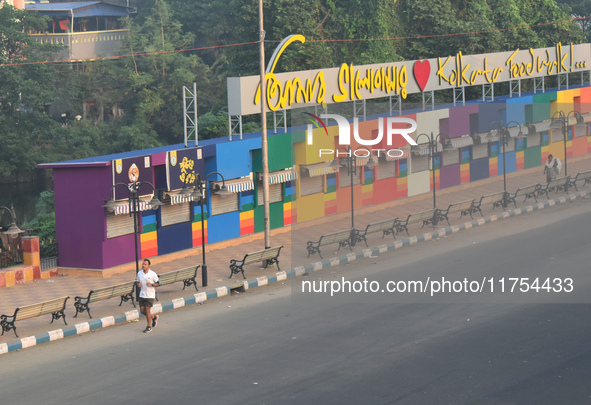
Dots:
pixel 13 230
pixel 433 141
pixel 351 165
pixel 503 130
pixel 560 119
pixel 134 208
pixel 199 194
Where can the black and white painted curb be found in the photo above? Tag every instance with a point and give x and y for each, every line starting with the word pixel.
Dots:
pixel 201 297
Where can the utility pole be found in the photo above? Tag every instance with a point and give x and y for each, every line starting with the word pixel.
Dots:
pixel 265 150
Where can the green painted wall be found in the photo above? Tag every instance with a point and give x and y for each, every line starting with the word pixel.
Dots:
pixel 541 106
pixel 533 156
pixel 276 220
pixel 280 154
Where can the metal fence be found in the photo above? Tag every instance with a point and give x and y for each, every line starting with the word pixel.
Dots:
pixel 48 251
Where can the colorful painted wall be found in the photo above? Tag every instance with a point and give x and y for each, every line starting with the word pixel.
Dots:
pixel 82 187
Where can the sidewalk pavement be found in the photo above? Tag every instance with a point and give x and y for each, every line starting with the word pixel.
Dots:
pixel 294 238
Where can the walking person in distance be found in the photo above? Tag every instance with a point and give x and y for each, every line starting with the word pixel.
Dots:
pixel 552 168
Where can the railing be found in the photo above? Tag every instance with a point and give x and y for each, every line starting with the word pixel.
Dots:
pixel 84 45
pixel 48 252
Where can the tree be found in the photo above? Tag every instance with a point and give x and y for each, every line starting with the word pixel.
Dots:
pixel 579 9
pixel 26 90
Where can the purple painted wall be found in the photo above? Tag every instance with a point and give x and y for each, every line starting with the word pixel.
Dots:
pixel 449 176
pixel 459 120
pixel 80 220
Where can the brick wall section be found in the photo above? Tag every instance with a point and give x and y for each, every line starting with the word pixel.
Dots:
pixel 31 268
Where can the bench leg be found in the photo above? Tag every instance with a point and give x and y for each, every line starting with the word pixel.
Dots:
pixel 190 282
pixel 234 269
pixel 7 327
pixel 80 308
pixel 127 297
pixel 389 231
pixel 313 250
pixel 58 315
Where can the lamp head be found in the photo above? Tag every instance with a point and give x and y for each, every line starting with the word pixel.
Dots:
pixel 155 202
pixel 13 231
pixel 110 204
pixel 223 191
pixel 335 164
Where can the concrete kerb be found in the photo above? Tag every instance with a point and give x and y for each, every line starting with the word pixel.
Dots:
pixel 201 297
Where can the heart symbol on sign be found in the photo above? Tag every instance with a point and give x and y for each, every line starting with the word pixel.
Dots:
pixel 421 71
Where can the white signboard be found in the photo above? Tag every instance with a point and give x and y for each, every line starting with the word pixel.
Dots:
pixel 354 83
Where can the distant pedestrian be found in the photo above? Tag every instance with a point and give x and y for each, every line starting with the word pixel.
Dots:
pixel 146 281
pixel 552 168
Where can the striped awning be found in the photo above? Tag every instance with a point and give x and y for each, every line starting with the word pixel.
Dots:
pixel 176 198
pixel 397 154
pixel 462 141
pixel 514 131
pixel 542 126
pixel 486 137
pixel 319 169
pixel 236 185
pixel 123 207
pixel 586 117
pixel 282 176
pixel 424 149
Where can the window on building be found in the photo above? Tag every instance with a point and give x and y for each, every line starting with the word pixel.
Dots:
pixel 451 158
pixel 224 204
pixel 510 146
pixel 479 151
pixel 533 139
pixel 275 193
pixel 175 214
pixel 557 135
pixel 346 179
pixel 311 185
pixel 118 225
pixel 419 163
pixel 386 169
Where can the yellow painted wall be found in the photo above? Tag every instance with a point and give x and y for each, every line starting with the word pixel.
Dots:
pixel 309 154
pixel 310 207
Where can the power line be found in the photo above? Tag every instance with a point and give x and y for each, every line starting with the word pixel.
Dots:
pixel 312 40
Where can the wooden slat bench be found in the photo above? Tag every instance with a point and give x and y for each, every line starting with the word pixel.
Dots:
pixel 556 184
pixel 55 307
pixel 496 199
pixel 343 238
pixel 187 276
pixel 387 227
pixel 463 207
pixel 122 290
pixel 426 217
pixel 267 257
pixel 530 191
pixel 585 176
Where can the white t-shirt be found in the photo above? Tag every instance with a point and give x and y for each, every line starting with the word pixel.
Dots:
pixel 144 278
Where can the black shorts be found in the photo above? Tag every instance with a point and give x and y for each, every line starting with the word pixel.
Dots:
pixel 146 302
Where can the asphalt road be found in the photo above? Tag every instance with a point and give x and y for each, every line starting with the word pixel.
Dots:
pixel 277 345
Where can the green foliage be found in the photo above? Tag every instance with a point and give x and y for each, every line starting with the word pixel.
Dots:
pixel 579 9
pixel 43 225
pixel 135 102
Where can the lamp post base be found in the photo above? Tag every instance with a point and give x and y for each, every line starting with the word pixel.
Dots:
pixel 204 275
